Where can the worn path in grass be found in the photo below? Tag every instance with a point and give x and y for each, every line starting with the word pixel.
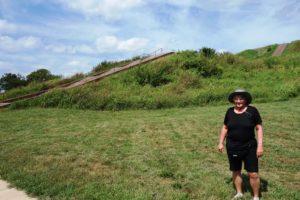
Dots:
pixel 166 154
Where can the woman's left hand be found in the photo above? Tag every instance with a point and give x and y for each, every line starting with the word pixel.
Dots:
pixel 259 151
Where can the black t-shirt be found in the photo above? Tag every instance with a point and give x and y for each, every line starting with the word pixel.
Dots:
pixel 241 128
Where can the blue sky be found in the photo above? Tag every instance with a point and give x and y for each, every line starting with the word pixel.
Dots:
pixel 71 36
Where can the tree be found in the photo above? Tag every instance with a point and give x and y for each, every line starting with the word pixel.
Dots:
pixel 208 52
pixel 9 81
pixel 40 75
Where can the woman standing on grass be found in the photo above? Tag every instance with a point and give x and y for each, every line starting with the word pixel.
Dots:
pixel 241 145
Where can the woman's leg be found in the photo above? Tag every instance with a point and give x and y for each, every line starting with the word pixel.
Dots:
pixel 255 183
pixel 237 180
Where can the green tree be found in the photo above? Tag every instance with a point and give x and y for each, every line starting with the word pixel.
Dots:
pixel 9 81
pixel 40 75
pixel 208 52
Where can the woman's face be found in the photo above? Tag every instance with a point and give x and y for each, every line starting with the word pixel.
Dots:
pixel 239 101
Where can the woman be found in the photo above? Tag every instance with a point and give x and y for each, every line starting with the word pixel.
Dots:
pixel 241 144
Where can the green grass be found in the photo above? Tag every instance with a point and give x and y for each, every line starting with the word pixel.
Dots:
pixel 155 154
pixel 39 86
pixel 266 51
pixel 292 48
pixel 186 78
pixel 183 79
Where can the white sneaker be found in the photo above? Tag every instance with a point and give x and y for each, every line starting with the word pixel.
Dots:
pixel 238 196
pixel 255 198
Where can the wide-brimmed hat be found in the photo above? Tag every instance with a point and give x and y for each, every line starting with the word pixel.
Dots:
pixel 241 92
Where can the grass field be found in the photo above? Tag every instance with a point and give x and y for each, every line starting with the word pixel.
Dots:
pixel 154 154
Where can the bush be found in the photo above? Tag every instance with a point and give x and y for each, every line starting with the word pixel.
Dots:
pixel 189 79
pixel 249 65
pixel 228 58
pixel 184 55
pixel 270 62
pixel 154 75
pixel 186 79
pixel 203 66
pixel 208 52
pixel 9 81
pixel 212 70
pixel 40 75
pixel 105 65
pixel 195 63
pixel 295 46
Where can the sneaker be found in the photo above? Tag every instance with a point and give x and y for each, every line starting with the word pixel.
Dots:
pixel 255 198
pixel 238 196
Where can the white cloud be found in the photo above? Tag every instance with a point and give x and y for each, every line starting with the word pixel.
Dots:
pixel 76 66
pixel 77 63
pixel 107 43
pixel 211 5
pixel 6 27
pixel 71 49
pixel 106 8
pixel 132 44
pixel 60 48
pixel 9 44
pixel 113 44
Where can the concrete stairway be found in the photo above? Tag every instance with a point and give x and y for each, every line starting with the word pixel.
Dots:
pixel 279 50
pixel 89 79
pixel 117 70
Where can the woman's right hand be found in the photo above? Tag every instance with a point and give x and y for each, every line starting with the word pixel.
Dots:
pixel 221 147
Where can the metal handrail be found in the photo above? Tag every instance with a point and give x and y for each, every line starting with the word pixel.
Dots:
pixel 158 50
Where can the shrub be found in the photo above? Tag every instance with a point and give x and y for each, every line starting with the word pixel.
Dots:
pixel 204 67
pixel 228 58
pixel 154 75
pixel 187 54
pixel 208 52
pixel 20 91
pixel 270 62
pixel 189 79
pixel 40 75
pixel 186 79
pixel 105 65
pixel 249 65
pixel 195 63
pixel 212 69
pixel 295 46
pixel 9 81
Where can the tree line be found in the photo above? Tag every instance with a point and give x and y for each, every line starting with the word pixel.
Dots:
pixel 9 81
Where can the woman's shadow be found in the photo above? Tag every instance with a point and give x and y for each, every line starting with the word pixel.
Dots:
pixel 246 184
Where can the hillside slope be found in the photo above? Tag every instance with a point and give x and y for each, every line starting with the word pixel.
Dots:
pixel 267 51
pixel 86 80
pixel 183 79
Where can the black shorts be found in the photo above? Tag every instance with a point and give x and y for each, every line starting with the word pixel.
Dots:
pixel 247 156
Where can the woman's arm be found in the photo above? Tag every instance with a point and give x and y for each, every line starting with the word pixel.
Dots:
pixel 260 136
pixel 223 135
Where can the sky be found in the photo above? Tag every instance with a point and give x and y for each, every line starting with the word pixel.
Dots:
pixel 73 36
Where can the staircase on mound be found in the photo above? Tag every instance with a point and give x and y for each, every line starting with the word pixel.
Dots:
pixel 89 79
pixel 279 50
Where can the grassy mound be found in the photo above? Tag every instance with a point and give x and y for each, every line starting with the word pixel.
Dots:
pixel 184 79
